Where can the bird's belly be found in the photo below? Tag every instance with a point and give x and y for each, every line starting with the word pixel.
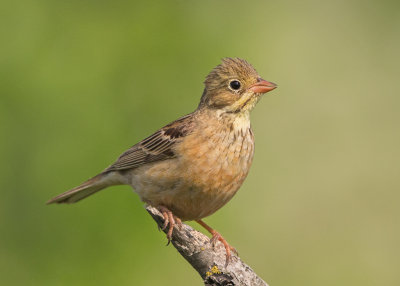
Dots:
pixel 200 181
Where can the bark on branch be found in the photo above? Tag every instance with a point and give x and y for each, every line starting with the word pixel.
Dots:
pixel 209 262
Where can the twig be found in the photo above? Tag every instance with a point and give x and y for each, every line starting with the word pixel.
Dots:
pixel 209 262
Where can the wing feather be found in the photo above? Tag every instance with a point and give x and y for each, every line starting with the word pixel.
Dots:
pixel 157 147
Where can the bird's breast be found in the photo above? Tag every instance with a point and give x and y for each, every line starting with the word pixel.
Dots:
pixel 214 163
pixel 210 166
pixel 216 159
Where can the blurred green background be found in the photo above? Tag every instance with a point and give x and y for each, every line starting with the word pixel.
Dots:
pixel 81 81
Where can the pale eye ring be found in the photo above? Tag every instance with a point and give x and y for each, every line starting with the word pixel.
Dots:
pixel 235 84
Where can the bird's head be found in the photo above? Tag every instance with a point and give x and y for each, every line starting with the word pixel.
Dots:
pixel 234 86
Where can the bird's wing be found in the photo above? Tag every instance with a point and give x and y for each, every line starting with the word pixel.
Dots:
pixel 157 147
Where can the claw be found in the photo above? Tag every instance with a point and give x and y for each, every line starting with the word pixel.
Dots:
pixel 166 220
pixel 234 251
pixel 171 220
pixel 171 226
pixel 178 222
pixel 217 237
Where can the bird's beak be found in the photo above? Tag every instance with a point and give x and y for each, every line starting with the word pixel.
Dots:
pixel 262 86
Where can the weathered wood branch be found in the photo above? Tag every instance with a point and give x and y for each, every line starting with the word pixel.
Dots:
pixel 209 262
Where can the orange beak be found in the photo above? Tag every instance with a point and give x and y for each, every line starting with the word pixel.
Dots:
pixel 262 86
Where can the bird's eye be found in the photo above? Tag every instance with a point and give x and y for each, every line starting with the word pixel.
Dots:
pixel 235 84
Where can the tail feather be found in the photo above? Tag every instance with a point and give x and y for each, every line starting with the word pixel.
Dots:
pixel 84 190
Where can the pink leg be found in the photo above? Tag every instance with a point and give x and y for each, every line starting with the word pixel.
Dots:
pixel 171 220
pixel 217 237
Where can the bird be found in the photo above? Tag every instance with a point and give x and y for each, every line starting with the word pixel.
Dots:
pixel 193 166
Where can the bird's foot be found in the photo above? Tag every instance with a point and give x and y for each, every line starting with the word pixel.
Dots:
pixel 218 237
pixel 171 220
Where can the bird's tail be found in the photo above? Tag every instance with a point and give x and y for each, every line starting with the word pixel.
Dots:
pixel 91 186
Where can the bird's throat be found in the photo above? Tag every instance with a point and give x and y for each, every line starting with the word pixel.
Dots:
pixel 241 121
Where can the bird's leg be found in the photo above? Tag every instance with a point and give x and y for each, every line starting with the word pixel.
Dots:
pixel 215 237
pixel 171 219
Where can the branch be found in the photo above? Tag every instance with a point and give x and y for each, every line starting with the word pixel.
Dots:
pixel 209 262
